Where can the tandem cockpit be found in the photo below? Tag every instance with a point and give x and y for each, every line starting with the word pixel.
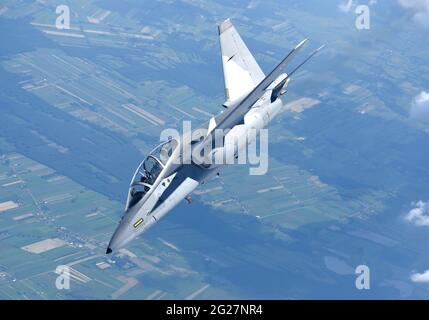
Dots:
pixel 148 171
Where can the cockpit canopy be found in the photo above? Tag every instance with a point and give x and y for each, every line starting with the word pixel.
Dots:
pixel 164 151
pixel 148 171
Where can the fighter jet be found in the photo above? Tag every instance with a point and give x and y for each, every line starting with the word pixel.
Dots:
pixel 168 175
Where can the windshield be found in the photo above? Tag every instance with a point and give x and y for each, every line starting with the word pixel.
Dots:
pixel 152 168
pixel 139 186
pixel 148 171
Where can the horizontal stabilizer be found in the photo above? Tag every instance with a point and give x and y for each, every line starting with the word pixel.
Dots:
pixel 228 119
pixel 280 88
pixel 305 61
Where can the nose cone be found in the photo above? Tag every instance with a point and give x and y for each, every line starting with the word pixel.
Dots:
pixel 123 235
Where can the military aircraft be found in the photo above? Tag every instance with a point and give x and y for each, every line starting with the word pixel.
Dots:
pixel 168 175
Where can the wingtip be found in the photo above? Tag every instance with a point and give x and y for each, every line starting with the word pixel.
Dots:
pixel 321 47
pixel 302 43
pixel 222 27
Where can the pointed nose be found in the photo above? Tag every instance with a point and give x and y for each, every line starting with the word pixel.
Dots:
pixel 123 235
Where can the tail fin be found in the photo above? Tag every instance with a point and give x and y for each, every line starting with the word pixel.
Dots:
pixel 240 70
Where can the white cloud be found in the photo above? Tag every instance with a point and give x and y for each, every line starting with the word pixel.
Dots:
pixel 420 107
pixel 420 277
pixel 420 9
pixel 420 214
pixel 414 4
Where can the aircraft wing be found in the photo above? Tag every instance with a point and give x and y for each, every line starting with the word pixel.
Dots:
pixel 240 70
pixel 233 115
